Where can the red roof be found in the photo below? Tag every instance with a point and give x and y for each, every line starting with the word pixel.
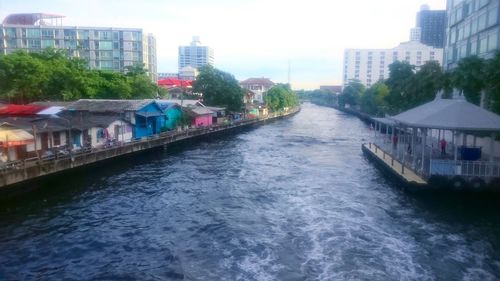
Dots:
pixel 174 82
pixel 15 109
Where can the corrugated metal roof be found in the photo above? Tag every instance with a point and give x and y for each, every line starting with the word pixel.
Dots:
pixel 198 110
pixel 184 102
pixel 451 114
pixel 98 105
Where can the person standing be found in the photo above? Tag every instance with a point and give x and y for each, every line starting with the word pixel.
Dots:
pixel 442 143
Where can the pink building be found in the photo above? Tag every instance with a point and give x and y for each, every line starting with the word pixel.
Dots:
pixel 201 116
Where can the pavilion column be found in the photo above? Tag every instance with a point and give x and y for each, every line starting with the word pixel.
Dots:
pixel 492 152
pixel 392 141
pixel 474 141
pixel 464 139
pixel 400 140
pixel 424 140
pixel 455 148
pixel 430 155
pixel 453 138
pixel 412 147
pixel 386 131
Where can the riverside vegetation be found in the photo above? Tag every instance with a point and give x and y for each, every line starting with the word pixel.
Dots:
pixel 409 86
pixel 51 75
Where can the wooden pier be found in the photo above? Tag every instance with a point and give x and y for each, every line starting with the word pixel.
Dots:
pixel 30 169
pixel 403 172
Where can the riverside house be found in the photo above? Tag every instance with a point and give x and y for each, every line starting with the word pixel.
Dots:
pixel 202 116
pixel 173 113
pixel 145 116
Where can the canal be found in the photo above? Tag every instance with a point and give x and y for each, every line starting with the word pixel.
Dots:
pixel 291 200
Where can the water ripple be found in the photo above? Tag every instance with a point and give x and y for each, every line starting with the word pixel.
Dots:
pixel 292 200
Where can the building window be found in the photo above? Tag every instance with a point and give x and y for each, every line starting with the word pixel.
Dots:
pixel 35 44
pixel 10 32
pixel 105 45
pixel 106 65
pixel 83 34
pixel 481 24
pixel 483 45
pixel 32 33
pixel 493 41
pixel 47 44
pixel 69 34
pixel 104 35
pixel 48 33
pixel 492 16
pixel 11 43
pixel 106 55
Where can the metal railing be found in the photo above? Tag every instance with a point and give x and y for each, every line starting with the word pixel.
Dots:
pixel 472 169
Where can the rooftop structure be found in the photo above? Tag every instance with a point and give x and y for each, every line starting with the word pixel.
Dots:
pixel 33 19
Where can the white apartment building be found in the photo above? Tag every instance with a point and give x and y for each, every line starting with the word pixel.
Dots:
pixel 104 48
pixel 195 55
pixel 372 65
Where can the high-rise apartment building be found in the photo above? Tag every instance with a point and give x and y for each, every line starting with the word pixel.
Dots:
pixel 473 28
pixel 432 25
pixel 372 65
pixel 195 55
pixel 105 48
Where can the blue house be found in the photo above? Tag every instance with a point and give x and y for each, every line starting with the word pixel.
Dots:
pixel 146 116
pixel 173 113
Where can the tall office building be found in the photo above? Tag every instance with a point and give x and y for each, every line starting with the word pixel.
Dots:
pixel 195 55
pixel 432 24
pixel 473 28
pixel 105 48
pixel 372 65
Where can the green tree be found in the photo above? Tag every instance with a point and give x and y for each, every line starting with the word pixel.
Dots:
pixel 351 93
pixel 492 82
pixel 219 88
pixel 470 77
pixel 424 85
pixel 21 77
pixel 281 96
pixel 373 100
pixel 112 85
pixel 400 86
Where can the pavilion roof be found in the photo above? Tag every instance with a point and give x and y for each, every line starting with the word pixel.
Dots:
pixel 449 114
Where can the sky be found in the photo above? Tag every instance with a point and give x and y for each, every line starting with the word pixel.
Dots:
pixel 251 38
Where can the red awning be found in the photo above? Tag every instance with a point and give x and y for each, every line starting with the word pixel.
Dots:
pixel 174 82
pixel 16 110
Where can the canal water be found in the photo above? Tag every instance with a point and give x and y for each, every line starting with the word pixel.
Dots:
pixel 292 200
